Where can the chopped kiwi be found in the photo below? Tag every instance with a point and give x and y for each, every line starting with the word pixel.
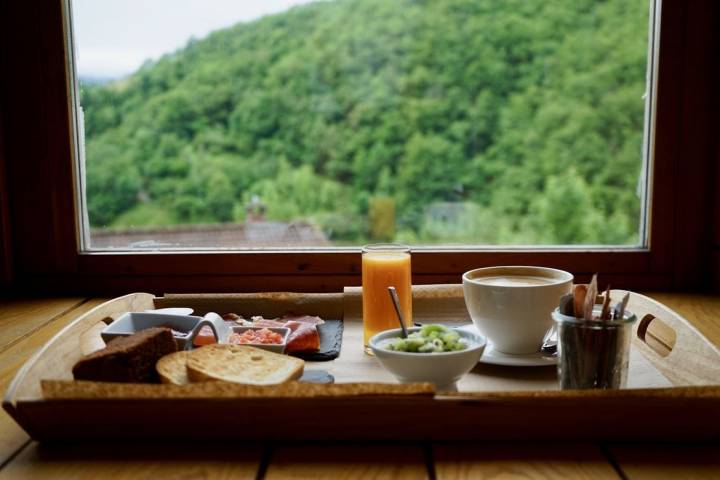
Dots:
pixel 429 339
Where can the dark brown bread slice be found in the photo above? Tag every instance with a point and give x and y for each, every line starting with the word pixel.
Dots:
pixel 127 359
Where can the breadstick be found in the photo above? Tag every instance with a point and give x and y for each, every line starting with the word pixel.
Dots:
pixel 605 315
pixel 579 299
pixel 590 297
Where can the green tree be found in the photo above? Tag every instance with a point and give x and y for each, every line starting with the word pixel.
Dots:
pixel 564 213
pixel 493 106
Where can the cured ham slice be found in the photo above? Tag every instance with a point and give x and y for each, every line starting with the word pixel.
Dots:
pixel 263 322
pixel 313 320
pixel 303 336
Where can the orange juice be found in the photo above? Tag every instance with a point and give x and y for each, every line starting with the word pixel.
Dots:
pixel 384 266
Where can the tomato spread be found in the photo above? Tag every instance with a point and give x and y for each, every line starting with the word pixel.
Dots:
pixel 264 335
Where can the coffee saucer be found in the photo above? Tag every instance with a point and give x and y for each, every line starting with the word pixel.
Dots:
pixel 496 357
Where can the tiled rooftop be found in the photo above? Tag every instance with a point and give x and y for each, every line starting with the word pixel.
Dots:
pixel 227 235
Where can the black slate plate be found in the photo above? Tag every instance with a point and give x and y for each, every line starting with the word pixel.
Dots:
pixel 316 376
pixel 330 342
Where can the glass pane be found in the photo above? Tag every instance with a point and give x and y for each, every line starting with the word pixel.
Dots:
pixel 226 124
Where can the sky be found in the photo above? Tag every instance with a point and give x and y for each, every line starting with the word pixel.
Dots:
pixel 114 37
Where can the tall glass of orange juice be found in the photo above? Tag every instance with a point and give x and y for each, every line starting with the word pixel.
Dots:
pixel 385 265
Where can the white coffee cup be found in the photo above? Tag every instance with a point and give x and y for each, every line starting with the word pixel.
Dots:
pixel 512 305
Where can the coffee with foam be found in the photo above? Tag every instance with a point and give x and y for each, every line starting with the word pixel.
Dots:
pixel 513 280
pixel 511 305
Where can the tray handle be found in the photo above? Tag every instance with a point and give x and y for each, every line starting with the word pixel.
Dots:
pixel 671 344
pixel 52 360
pixel 658 335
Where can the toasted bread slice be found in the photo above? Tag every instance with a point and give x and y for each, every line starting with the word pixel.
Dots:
pixel 172 368
pixel 242 364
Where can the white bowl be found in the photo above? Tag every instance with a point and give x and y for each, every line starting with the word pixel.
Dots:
pixel 443 369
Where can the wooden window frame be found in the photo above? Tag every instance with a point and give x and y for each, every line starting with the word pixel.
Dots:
pixel 39 230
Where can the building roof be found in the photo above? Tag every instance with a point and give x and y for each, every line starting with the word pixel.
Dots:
pixel 226 235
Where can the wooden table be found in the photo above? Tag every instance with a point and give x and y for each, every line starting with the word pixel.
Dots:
pixel 25 325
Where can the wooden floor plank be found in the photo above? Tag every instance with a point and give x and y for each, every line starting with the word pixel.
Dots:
pixel 521 460
pixel 347 462
pixel 11 359
pixel 18 318
pixel 651 461
pixel 133 462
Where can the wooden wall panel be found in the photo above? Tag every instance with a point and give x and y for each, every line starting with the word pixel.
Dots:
pixel 5 234
pixel 5 244
pixel 716 186
pixel 686 129
pixel 666 147
pixel 715 219
pixel 698 131
pixel 38 143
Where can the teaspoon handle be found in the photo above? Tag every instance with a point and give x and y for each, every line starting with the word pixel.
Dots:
pixel 396 304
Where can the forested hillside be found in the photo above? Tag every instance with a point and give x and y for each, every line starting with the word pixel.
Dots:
pixel 482 121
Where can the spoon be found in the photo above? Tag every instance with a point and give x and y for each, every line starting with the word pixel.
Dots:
pixel 396 304
pixel 549 344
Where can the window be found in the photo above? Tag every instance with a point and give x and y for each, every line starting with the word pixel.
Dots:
pixel 45 235
pixel 337 123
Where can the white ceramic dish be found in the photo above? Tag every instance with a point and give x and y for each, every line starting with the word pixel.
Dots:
pixel 495 357
pixel 443 369
pixel 172 311
pixel 272 347
pixel 132 322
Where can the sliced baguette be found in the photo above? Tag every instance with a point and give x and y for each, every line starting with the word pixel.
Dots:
pixel 242 364
pixel 172 368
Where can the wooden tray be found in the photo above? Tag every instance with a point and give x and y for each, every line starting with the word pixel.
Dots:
pixel 673 390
